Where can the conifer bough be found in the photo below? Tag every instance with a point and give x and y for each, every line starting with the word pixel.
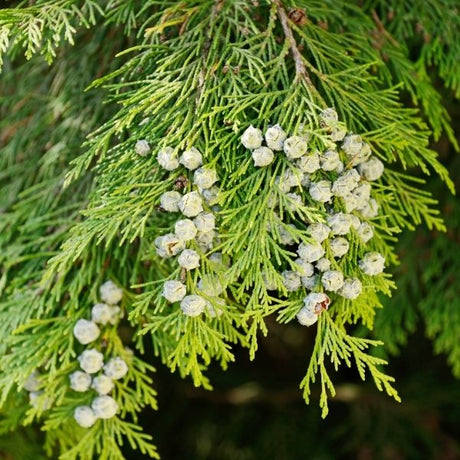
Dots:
pixel 207 165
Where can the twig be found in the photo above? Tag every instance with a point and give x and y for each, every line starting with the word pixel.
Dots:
pixel 296 54
pixel 382 29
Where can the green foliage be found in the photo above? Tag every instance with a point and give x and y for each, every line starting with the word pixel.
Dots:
pixel 427 289
pixel 78 205
pixel 333 342
pixel 40 28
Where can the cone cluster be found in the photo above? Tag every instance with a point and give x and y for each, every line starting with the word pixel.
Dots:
pixel 337 180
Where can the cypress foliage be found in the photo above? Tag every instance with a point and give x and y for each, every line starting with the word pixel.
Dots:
pixel 108 107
